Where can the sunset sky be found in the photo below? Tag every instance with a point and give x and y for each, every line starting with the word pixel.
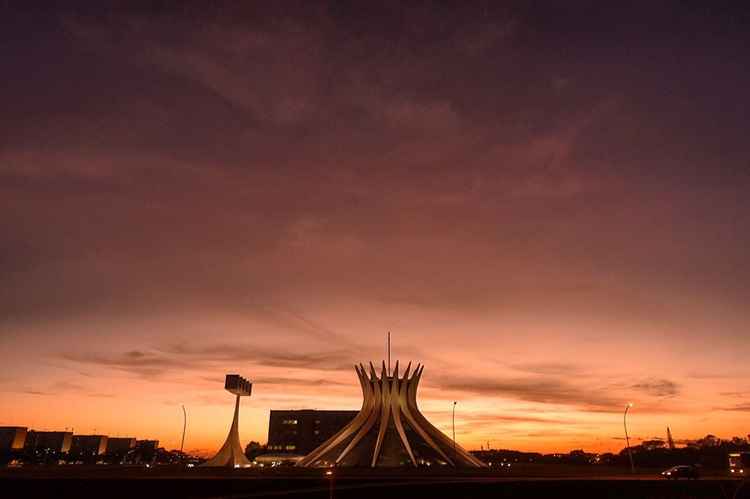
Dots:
pixel 549 207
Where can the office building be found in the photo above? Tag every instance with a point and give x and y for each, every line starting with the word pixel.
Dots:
pixel 301 431
pixel 88 447
pixel 120 445
pixel 47 446
pixel 145 451
pixel 119 449
pixel 12 438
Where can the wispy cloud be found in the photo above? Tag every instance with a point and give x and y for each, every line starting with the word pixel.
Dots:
pixel 182 358
pixel 550 368
pixel 710 375
pixel 735 394
pixel 60 388
pixel 738 408
pixel 34 392
pixel 658 387
pixel 563 385
pixel 541 389
pixel 491 418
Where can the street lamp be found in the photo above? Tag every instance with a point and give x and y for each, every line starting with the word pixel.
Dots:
pixel 331 477
pixel 627 438
pixel 454 429
pixel 184 427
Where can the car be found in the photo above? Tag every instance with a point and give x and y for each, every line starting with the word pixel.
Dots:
pixel 738 463
pixel 681 471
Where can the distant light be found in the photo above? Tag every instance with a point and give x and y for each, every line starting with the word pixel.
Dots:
pixel 329 473
pixel 191 465
pixel 236 465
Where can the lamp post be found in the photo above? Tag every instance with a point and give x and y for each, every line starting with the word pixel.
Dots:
pixel 454 429
pixel 184 427
pixel 331 477
pixel 627 438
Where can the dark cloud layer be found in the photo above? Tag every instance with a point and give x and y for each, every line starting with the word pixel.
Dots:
pixel 270 132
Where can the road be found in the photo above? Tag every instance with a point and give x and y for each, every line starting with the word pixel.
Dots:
pixel 122 482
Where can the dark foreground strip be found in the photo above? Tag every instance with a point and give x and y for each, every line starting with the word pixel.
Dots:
pixel 437 488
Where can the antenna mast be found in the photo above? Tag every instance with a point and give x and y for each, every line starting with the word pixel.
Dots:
pixel 389 352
